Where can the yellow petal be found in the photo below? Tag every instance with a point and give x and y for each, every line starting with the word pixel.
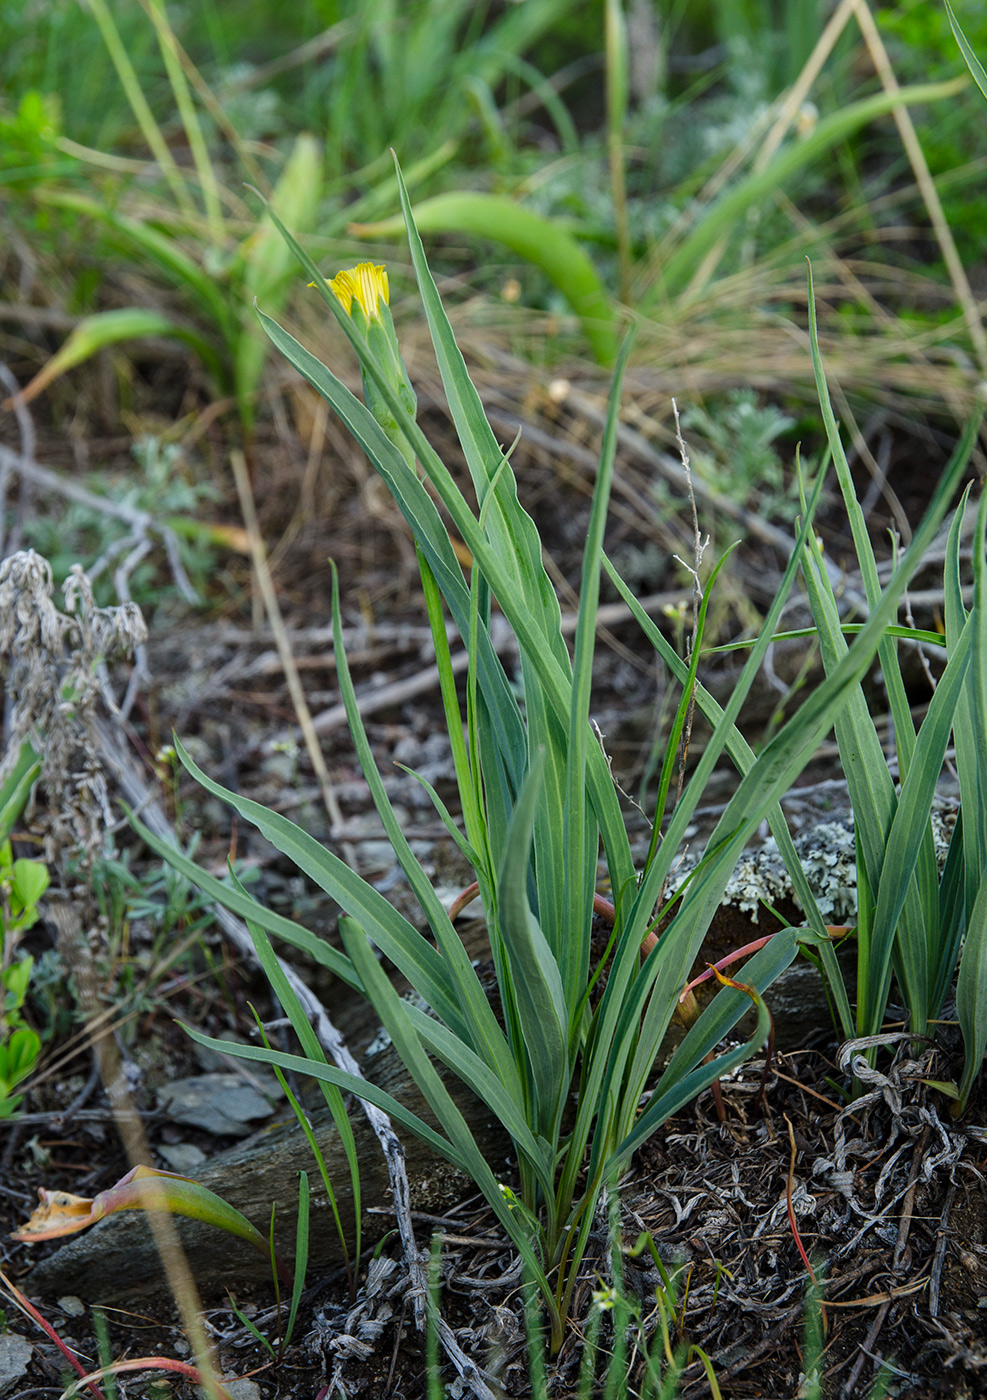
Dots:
pixel 367 283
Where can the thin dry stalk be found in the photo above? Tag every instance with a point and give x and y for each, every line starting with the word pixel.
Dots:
pixel 925 182
pixel 73 945
pixel 273 609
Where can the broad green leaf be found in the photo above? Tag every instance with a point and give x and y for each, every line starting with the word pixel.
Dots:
pixel 18 1057
pixel 104 328
pixel 538 240
pixel 30 880
pixel 21 777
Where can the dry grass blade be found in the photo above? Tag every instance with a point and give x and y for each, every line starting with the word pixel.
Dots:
pixel 276 621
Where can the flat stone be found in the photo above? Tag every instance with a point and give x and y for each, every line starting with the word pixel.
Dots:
pixel 15 1353
pixel 182 1157
pixel 219 1103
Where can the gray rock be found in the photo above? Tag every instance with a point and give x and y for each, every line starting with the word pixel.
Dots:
pixel 15 1353
pixel 220 1103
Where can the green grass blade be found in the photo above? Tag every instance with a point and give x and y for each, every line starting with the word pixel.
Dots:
pixel 952 919
pixel 471 807
pixel 310 1044
pixel 423 966
pixel 971 766
pixel 190 120
pixel 162 248
pixel 243 904
pixel 718 220
pixel 475 1016
pixel 104 328
pixel 398 1024
pixel 534 973
pixel 130 83
pixel 301 1255
pixel 301 1118
pixel 580 835
pixel 972 62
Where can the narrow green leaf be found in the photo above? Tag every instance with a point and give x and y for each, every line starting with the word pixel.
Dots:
pixel 971 983
pixel 301 1254
pixel 488 1086
pixel 511 530
pixel 580 836
pixel 243 904
pixel 475 1020
pixel 972 62
pixel 720 218
pixel 728 1006
pixel 971 994
pixel 908 830
pixel 312 1047
pixel 535 979
pixel 399 1026
pixel 394 935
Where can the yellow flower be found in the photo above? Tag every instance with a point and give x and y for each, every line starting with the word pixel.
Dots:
pixel 366 284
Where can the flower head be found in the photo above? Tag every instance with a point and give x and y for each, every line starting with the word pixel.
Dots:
pixel 366 284
pixel 364 295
